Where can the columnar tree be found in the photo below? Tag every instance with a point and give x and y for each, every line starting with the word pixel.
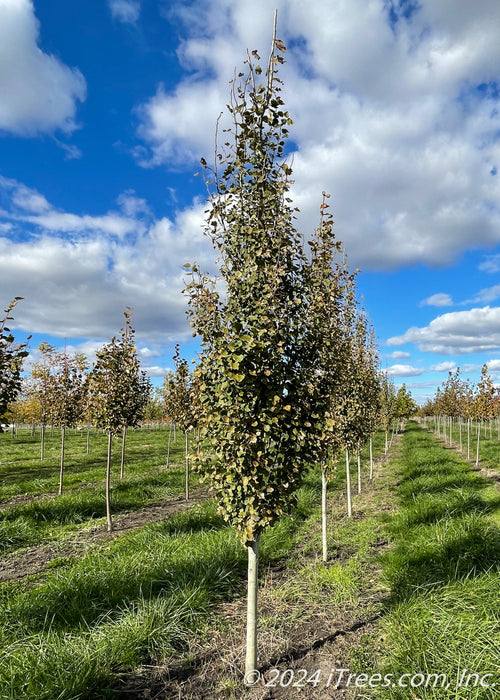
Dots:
pixel 38 389
pixel 180 397
pixel 387 405
pixel 484 405
pixel 118 391
pixel 372 393
pixel 404 406
pixel 136 385
pixel 366 387
pixel 254 372
pixel 328 284
pixel 12 356
pixel 347 399
pixel 66 396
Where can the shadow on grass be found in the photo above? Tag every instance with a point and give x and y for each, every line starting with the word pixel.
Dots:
pixel 104 585
pixel 442 532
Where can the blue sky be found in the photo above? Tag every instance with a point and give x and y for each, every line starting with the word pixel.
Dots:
pixel 106 108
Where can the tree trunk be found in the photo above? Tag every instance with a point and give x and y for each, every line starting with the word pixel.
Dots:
pixel 468 438
pixel 122 463
pixel 253 581
pixel 348 480
pixel 359 471
pixel 61 471
pixel 460 428
pixel 477 448
pixel 42 442
pixel 88 437
pixel 187 466
pixel 371 458
pixel 108 484
pixel 324 484
pixel 386 442
pixel 168 446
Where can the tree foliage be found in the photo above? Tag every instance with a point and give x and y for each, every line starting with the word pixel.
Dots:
pixel 255 367
pixel 118 389
pixel 12 356
pixel 180 394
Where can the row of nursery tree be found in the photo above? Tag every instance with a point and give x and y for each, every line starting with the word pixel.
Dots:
pixel 288 371
pixel 460 402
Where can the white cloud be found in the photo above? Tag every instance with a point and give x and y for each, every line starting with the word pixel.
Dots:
pixel 399 355
pixel 30 200
pixel 404 371
pixel 459 332
pixel 126 11
pixel 387 118
pixel 485 295
pixel 156 371
pixel 171 123
pixel 443 367
pixel 491 264
pixel 29 206
pixel 437 300
pixel 38 93
pixel 78 273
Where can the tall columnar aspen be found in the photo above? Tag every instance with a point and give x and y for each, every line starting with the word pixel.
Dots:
pixel 255 372
pixel 330 287
pixel 38 388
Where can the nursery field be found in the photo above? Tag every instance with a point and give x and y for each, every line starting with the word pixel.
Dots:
pixel 407 605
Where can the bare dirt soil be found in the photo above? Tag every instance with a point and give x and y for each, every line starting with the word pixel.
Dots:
pixel 35 559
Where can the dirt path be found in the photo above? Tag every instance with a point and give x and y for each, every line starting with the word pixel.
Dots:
pixel 35 559
pixel 297 631
pixel 491 474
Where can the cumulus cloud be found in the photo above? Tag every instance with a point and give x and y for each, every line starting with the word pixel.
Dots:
pixel 404 371
pixel 38 93
pixel 437 300
pixel 493 365
pixel 126 11
pixel 443 367
pixel 399 355
pixel 78 273
pixel 461 332
pixel 402 132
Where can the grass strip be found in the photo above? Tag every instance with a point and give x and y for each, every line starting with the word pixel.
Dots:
pixel 22 472
pixel 443 613
pixel 48 519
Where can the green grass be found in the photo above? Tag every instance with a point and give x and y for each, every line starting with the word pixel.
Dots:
pixel 72 632
pixel 23 472
pixel 76 629
pixel 443 613
pixel 82 503
pixel 48 519
pixel 489 442
pixel 69 633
